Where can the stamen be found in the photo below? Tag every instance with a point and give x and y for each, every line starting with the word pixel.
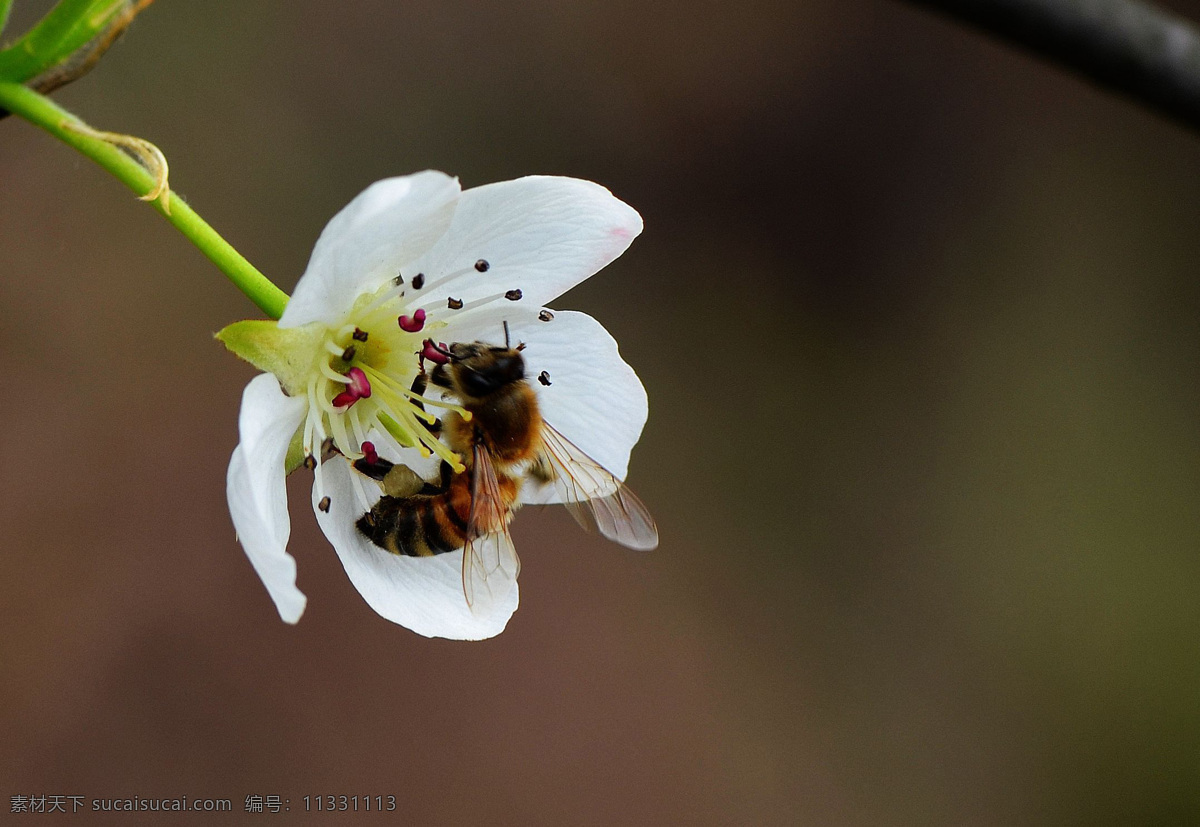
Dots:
pixel 389 423
pixel 360 435
pixel 454 304
pixel 318 472
pixel 362 494
pixel 425 442
pixel 418 281
pixel 332 374
pixel 414 323
pixel 398 280
pixel 441 403
pixel 349 353
pixel 481 266
pixel 370 455
pixel 384 298
pixel 324 504
pixel 393 387
pixel 309 420
pixel 337 424
pixel 310 462
pixel 545 315
pixel 396 405
pixel 360 335
pixel 433 354
pixel 359 385
pixel 327 447
pixel 544 378
pixel 325 404
pixel 511 295
pixel 344 400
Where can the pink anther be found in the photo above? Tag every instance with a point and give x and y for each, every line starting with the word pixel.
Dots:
pixel 370 455
pixel 431 352
pixel 359 385
pixel 414 323
pixel 359 388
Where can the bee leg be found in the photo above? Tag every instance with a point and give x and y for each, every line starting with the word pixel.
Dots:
pixel 376 470
pixel 402 481
pixel 396 480
pixel 441 377
pixel 541 470
pixel 419 384
pixel 443 484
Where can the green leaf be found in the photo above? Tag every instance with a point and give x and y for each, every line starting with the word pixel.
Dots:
pixel 68 26
pixel 288 352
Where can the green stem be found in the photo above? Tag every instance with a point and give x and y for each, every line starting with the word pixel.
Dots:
pixel 43 112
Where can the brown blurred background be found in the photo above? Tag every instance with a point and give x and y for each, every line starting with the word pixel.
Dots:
pixel 918 320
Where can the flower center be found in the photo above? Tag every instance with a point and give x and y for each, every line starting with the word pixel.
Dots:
pixel 364 379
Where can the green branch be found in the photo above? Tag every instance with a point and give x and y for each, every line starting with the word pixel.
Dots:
pixel 41 111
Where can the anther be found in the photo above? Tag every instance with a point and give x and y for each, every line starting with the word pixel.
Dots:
pixel 431 352
pixel 414 323
pixel 513 295
pixel 544 378
pixel 348 354
pixel 545 315
pixel 418 281
pixel 310 462
pixel 482 265
pixel 359 335
pixel 398 280
pixel 324 504
pixel 370 455
pixel 454 304
pixel 327 447
pixel 360 386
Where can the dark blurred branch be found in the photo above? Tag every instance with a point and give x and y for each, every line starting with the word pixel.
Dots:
pixel 1130 47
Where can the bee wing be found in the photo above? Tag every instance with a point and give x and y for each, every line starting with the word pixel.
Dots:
pixel 490 562
pixel 594 496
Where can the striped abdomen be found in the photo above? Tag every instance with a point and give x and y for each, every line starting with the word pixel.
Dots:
pixel 423 525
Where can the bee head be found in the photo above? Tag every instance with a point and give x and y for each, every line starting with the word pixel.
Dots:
pixel 478 369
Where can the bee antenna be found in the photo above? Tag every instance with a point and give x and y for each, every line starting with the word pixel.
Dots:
pixel 506 344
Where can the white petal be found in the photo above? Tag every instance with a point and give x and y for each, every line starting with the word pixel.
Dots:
pixel 424 594
pixel 594 398
pixel 257 493
pixel 541 235
pixel 384 228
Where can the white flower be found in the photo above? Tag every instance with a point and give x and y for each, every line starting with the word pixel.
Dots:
pixel 409 260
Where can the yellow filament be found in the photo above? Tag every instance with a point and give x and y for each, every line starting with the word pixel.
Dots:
pixel 416 397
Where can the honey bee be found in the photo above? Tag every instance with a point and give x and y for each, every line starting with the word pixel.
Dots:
pixel 504 442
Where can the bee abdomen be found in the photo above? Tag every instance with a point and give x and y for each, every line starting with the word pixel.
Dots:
pixel 417 526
